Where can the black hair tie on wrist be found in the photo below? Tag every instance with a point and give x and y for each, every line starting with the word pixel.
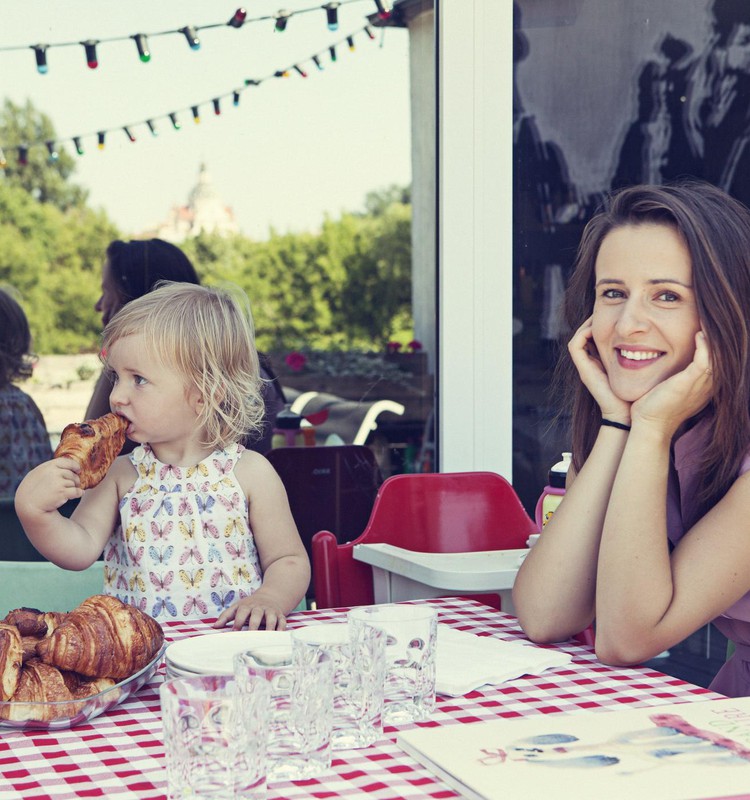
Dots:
pixel 619 425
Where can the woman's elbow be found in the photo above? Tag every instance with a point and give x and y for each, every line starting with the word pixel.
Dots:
pixel 541 631
pixel 617 652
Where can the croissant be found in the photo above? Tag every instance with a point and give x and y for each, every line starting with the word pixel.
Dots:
pixel 29 644
pixel 81 687
pixel 33 625
pixel 103 637
pixel 39 683
pixel 11 657
pixel 29 621
pixel 94 444
pixel 33 622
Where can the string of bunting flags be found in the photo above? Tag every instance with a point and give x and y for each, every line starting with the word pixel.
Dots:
pixel 329 54
pixel 191 32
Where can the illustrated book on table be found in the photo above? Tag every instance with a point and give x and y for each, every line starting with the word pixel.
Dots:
pixel 681 751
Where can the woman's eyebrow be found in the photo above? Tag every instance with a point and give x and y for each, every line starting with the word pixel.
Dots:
pixel 652 282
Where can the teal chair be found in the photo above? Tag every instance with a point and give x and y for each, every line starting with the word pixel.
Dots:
pixel 28 579
pixel 45 586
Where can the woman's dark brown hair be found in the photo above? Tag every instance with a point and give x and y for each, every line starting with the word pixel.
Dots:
pixel 15 341
pixel 716 231
pixel 137 266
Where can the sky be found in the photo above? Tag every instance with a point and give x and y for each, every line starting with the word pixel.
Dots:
pixel 294 150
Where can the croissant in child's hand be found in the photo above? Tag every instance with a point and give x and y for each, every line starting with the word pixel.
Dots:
pixel 103 637
pixel 94 444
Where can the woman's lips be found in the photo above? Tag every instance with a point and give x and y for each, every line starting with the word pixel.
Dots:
pixel 637 359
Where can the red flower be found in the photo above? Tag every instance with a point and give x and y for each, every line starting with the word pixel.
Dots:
pixel 295 361
pixel 393 347
pixel 414 345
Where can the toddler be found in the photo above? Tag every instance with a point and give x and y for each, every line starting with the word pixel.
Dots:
pixel 190 523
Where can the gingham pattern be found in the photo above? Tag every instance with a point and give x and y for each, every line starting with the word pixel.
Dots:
pixel 120 755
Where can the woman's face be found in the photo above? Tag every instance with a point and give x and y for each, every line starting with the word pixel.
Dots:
pixel 645 312
pixel 110 302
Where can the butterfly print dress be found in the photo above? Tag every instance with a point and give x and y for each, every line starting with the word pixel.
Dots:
pixel 184 548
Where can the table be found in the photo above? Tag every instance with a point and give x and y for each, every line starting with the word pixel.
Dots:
pixel 121 755
pixel 399 574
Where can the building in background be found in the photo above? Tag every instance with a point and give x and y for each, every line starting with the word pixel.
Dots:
pixel 204 212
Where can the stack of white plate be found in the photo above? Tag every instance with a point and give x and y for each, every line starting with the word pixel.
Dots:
pixel 213 653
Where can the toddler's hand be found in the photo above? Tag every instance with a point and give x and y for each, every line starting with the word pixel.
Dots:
pixel 49 486
pixel 255 611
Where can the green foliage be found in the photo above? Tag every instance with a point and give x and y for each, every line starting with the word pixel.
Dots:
pixel 44 179
pixel 53 259
pixel 346 287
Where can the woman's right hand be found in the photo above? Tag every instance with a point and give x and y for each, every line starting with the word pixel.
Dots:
pixel 593 375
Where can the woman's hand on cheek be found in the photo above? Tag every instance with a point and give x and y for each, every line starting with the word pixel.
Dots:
pixel 585 356
pixel 683 395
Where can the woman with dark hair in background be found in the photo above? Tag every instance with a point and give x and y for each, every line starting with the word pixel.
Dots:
pixel 24 441
pixel 132 269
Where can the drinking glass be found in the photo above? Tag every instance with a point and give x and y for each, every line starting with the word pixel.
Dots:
pixel 300 713
pixel 215 737
pixel 358 678
pixel 411 640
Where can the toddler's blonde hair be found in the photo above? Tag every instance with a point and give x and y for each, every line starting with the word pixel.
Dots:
pixel 206 334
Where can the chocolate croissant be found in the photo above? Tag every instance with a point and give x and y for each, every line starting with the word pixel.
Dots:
pixel 94 444
pixel 103 637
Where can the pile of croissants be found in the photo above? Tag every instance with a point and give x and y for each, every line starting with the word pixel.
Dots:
pixel 61 658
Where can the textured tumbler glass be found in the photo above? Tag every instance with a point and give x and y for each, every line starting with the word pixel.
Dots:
pixel 300 715
pixel 411 641
pixel 215 737
pixel 358 678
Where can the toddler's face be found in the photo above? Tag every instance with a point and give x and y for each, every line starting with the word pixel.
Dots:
pixel 151 394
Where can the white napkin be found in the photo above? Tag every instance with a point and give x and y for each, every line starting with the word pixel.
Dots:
pixel 465 661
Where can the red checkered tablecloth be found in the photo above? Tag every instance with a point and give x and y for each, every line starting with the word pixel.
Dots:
pixel 121 755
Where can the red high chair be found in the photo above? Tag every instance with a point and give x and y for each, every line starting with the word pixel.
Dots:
pixel 429 513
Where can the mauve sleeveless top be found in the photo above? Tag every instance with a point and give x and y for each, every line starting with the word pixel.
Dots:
pixel 733 679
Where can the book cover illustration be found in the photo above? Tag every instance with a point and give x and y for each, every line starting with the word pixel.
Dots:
pixel 684 751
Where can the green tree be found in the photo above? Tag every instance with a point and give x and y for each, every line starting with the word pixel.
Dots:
pixel 53 258
pixel 379 201
pixel 45 179
pixel 371 258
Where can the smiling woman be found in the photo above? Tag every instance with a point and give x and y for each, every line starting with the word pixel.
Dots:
pixel 650 531
pixel 643 327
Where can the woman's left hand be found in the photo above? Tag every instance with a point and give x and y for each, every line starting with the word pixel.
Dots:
pixel 681 396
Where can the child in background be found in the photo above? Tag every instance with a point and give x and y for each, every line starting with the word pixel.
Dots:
pixel 191 524
pixel 24 441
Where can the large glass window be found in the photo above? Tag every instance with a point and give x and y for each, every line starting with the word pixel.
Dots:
pixel 607 95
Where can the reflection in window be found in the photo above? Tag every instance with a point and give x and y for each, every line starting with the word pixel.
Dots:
pixel 607 95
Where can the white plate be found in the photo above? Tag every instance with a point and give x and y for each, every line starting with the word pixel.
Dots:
pixel 213 653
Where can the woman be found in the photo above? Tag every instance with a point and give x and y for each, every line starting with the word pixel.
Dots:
pixel 24 441
pixel 132 269
pixel 653 537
